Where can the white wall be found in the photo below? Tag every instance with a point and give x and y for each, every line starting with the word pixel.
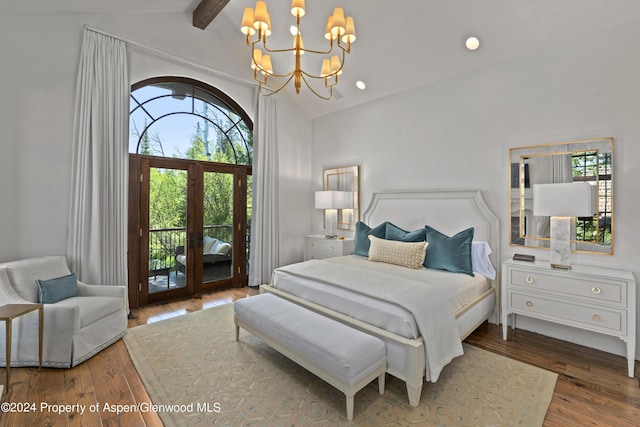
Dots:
pixel 456 133
pixel 37 89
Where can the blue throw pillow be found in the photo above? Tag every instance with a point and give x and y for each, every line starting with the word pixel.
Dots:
pixel 361 239
pixel 393 232
pixel 449 253
pixel 54 290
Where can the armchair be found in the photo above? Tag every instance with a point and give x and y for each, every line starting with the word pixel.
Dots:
pixel 75 328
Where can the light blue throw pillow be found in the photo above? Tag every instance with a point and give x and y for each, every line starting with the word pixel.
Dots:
pixel 449 253
pixel 393 232
pixel 361 239
pixel 54 290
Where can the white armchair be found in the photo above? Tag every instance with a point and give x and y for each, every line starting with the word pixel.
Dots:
pixel 75 328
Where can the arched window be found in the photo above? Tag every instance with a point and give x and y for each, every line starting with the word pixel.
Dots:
pixel 183 118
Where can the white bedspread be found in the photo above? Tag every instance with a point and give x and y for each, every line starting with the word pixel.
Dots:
pixel 430 304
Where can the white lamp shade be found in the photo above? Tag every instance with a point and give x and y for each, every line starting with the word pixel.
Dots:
pixel 566 199
pixel 333 199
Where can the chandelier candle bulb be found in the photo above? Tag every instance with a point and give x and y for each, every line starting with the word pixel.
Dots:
pixel 260 16
pixel 266 64
pixel 335 65
pixel 350 31
pixel 247 22
pixel 327 32
pixel 257 59
pixel 338 22
pixel 297 8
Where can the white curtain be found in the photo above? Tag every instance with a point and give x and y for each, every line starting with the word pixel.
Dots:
pixel 97 246
pixel 265 237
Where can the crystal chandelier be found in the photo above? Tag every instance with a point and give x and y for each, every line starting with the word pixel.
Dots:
pixel 340 32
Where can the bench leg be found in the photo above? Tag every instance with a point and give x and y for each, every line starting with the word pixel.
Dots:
pixel 350 408
pixel 381 379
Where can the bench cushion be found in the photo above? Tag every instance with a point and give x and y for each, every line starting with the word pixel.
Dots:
pixel 338 349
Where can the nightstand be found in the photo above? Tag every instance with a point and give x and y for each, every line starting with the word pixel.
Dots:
pixel 596 299
pixel 318 247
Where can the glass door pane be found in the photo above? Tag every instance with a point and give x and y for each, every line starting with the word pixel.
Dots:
pixel 249 208
pixel 217 227
pixel 168 243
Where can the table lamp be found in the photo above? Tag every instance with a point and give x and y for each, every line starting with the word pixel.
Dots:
pixel 563 203
pixel 331 201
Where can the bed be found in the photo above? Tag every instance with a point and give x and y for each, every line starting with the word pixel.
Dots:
pixel 415 351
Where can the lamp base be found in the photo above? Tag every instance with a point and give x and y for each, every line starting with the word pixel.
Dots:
pixel 561 242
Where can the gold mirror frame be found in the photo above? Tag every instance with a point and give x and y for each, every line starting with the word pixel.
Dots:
pixel 345 179
pixel 557 162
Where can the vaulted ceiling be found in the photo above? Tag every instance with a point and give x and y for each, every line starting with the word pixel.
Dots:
pixel 400 45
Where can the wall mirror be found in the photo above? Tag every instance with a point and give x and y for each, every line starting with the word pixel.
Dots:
pixel 585 160
pixel 345 179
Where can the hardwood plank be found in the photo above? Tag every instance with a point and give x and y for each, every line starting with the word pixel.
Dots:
pixel 79 389
pixel 47 388
pixel 136 386
pixel 206 11
pixel 112 388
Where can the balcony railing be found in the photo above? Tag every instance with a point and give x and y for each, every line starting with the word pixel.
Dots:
pixel 164 241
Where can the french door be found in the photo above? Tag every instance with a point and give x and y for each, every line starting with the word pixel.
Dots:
pixel 191 233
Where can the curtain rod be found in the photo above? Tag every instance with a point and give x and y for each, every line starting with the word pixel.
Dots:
pixel 176 58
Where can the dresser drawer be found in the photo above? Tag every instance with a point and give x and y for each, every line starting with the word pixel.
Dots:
pixel 591 288
pixel 327 245
pixel 605 319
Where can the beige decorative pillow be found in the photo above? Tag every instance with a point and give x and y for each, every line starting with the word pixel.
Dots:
pixel 406 254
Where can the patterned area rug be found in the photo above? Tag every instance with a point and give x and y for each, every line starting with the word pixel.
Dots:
pixel 197 374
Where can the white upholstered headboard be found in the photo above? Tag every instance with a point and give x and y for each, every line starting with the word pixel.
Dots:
pixel 448 211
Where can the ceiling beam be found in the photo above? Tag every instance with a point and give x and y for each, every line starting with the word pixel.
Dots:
pixel 204 13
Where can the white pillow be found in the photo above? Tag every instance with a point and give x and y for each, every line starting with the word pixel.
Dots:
pixel 220 248
pixel 405 254
pixel 223 248
pixel 480 252
pixel 208 244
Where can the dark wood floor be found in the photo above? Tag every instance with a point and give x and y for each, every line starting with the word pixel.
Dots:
pixel 592 390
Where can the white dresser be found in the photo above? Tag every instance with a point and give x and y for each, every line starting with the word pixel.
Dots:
pixel 596 299
pixel 318 247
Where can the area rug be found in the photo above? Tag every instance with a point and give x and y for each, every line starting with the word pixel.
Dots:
pixel 197 374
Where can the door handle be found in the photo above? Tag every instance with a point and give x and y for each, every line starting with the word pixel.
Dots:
pixel 190 240
pixel 199 240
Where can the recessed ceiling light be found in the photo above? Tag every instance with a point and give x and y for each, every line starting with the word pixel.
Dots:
pixel 472 43
pixel 361 85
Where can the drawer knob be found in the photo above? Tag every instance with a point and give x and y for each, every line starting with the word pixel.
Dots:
pixel 529 280
pixel 596 317
pixel 529 304
pixel 595 290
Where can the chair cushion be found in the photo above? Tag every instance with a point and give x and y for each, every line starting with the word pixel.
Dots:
pixel 24 273
pixel 92 308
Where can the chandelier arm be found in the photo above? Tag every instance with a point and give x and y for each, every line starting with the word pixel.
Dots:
pixel 274 91
pixel 332 74
pixel 320 52
pixel 326 98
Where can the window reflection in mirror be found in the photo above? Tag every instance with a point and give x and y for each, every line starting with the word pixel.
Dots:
pixel 345 179
pixel 574 161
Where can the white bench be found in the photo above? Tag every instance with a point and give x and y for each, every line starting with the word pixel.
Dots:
pixel 342 356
